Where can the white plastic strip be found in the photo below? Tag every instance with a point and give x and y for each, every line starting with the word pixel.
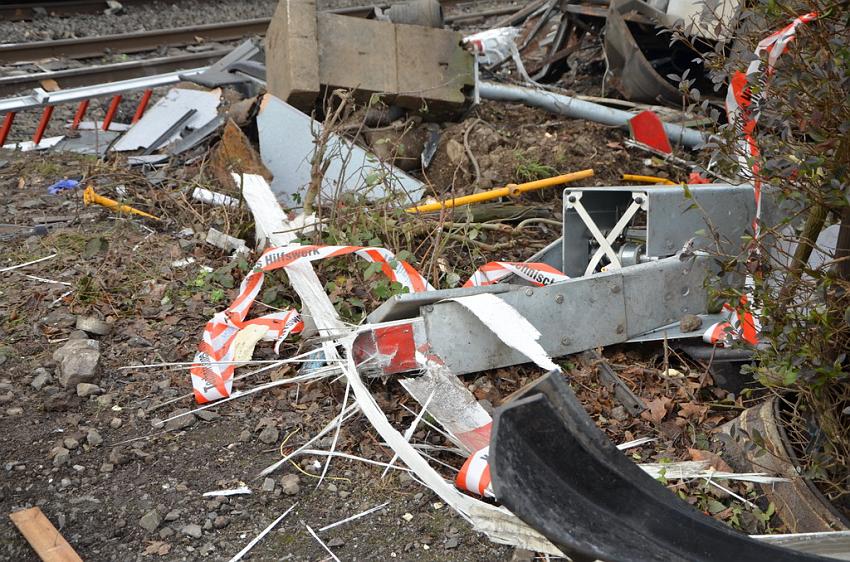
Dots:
pixel 604 245
pixel 262 534
pixel 612 236
pixel 509 326
pixel 354 517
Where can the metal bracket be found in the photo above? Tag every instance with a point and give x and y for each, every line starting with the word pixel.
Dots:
pixel 638 202
pixel 573 201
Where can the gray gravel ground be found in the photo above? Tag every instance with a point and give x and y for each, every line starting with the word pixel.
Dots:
pixel 156 15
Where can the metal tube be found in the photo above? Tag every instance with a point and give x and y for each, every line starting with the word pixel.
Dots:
pixel 573 107
pixel 647 179
pixel 90 197
pixel 110 113
pixel 507 191
pixel 143 104
pixel 41 97
pixel 7 126
pixel 42 125
pixel 81 111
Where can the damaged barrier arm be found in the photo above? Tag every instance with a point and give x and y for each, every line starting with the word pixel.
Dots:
pixel 512 190
pixel 554 469
pixel 580 109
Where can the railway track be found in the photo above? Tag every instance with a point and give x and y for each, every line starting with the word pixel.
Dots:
pixel 89 75
pixel 24 11
pixel 89 47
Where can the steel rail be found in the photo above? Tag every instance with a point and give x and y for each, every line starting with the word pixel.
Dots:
pixel 39 97
pixel 86 76
pixel 88 47
pixel 106 73
pixel 24 11
pixel 91 47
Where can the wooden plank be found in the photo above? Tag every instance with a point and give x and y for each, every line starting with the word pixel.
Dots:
pixel 43 537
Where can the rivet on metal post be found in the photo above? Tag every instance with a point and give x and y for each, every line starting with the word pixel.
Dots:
pixel 428 308
pixel 620 329
pixel 529 292
pixel 565 341
pixel 615 289
pixel 559 299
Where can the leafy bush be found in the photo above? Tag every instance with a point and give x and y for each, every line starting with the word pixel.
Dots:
pixel 801 294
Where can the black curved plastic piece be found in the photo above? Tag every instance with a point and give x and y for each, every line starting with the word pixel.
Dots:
pixel 558 472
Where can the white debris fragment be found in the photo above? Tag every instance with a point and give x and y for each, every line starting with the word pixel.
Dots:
pixel 262 534
pixel 214 198
pixel 230 492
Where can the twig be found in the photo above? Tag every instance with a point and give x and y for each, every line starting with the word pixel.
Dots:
pixel 43 280
pixel 410 430
pixel 336 435
pixel 675 160
pixel 526 222
pixel 262 534
pixel 344 415
pixel 320 541
pixel 239 394
pixel 10 268
pixel 231 492
pixel 62 296
pixel 353 517
pixel 469 153
pixel 317 169
pixel 347 456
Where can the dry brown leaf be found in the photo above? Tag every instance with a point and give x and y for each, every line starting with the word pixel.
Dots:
pixel 691 410
pixel 713 459
pixel 160 548
pixel 50 85
pixel 657 409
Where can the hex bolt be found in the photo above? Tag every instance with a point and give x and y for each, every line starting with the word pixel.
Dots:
pixel 565 341
pixel 620 329
pixel 615 289
pixel 429 308
pixel 559 299
pixel 529 292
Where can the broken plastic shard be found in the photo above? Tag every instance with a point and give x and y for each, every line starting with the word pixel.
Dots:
pixel 349 168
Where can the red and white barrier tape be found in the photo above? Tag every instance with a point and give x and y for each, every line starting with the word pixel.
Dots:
pixel 743 104
pixel 743 107
pixel 212 372
pixel 212 375
pixel 538 273
pixel 739 323
pixel 474 475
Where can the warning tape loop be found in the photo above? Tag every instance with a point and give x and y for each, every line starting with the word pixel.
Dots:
pixel 540 274
pixel 212 375
pixel 212 372
pixel 746 95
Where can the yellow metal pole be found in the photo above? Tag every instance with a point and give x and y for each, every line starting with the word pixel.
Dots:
pixel 511 190
pixel 89 197
pixel 648 179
